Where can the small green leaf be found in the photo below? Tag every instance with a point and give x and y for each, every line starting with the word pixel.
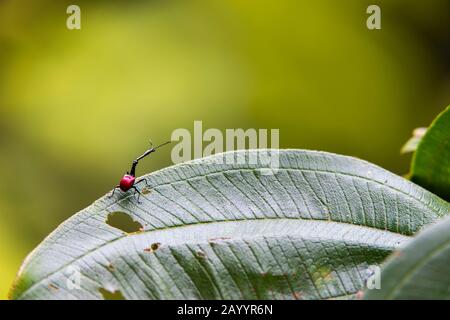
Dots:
pixel 413 142
pixel 421 270
pixel 214 230
pixel 431 162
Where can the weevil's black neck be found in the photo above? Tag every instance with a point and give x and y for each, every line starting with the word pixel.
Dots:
pixel 133 168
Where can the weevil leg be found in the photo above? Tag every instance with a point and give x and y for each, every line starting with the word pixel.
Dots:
pixel 138 192
pixel 142 180
pixel 147 185
pixel 114 190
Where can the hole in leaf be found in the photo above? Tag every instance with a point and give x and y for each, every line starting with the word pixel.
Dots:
pixel 153 247
pixel 146 190
pixel 108 295
pixel 124 222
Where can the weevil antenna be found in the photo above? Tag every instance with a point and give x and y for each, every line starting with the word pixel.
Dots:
pixel 162 144
pixel 146 153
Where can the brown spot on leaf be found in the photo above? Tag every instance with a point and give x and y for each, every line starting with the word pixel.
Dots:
pixel 53 287
pixel 297 295
pixel 154 246
pixel 397 254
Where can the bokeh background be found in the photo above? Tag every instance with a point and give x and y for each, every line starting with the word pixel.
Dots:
pixel 76 106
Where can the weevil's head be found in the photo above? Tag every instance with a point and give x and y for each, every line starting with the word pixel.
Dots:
pixel 127 182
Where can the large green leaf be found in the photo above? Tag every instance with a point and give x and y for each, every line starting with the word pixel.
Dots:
pixel 232 231
pixel 431 163
pixel 421 270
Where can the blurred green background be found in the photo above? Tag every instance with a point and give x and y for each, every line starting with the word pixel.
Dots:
pixel 76 106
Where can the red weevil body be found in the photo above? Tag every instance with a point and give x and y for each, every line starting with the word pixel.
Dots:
pixel 127 182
